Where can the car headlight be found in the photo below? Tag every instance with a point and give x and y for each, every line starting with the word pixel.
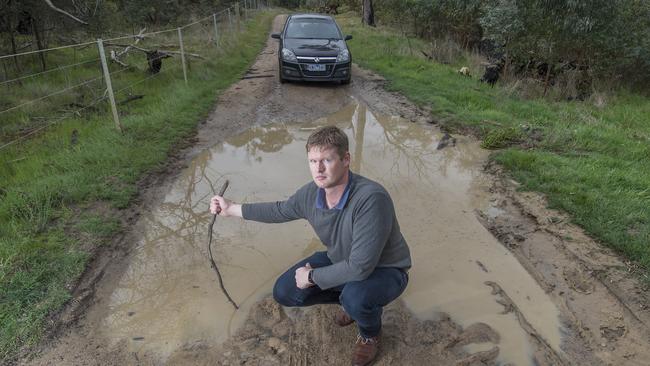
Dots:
pixel 288 55
pixel 344 56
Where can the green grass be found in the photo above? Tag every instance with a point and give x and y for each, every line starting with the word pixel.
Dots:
pixel 590 161
pixel 44 245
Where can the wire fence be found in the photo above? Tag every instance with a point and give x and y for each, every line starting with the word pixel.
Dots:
pixel 106 70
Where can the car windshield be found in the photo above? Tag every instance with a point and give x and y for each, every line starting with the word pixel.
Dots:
pixel 312 28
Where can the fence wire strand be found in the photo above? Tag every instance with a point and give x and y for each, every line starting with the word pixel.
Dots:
pixel 49 71
pixel 197 22
pixel 48 49
pixel 145 79
pixel 104 95
pixel 52 94
pixel 114 38
pixel 66 115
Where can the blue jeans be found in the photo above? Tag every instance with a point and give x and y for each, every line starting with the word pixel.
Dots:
pixel 362 300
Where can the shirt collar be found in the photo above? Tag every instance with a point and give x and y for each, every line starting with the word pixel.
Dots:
pixel 320 196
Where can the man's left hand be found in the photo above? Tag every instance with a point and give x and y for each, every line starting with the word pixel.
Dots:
pixel 302 277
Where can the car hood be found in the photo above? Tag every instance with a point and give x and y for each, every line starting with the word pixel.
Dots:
pixel 314 47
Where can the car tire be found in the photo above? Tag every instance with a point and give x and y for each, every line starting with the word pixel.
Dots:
pixel 282 80
pixel 346 81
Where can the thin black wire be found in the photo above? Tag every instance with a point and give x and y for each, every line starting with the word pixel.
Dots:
pixel 212 262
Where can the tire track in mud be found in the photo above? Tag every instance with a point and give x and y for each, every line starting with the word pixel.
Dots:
pixel 603 304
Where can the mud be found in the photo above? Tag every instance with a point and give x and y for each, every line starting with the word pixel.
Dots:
pixel 167 297
pixel 495 278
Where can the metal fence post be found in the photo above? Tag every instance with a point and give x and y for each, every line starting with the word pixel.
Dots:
pixel 180 40
pixel 109 86
pixel 216 30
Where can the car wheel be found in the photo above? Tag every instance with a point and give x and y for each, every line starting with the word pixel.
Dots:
pixel 282 80
pixel 346 81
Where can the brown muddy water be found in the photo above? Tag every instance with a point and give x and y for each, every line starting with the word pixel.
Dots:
pixel 169 296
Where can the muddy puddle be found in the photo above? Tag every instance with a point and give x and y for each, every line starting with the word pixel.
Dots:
pixel 169 297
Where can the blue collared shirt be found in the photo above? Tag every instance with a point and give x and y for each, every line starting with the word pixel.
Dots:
pixel 320 197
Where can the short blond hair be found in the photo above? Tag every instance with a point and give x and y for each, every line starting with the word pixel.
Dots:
pixel 329 136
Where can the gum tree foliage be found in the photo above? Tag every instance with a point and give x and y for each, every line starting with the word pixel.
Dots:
pixel 594 33
pixel 38 24
pixel 163 12
pixel 289 4
pixel 456 19
pixel 25 18
pixel 27 25
pixel 610 38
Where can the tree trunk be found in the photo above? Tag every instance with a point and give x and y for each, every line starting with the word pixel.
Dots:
pixel 4 66
pixel 368 13
pixel 39 42
pixel 13 43
pixel 548 74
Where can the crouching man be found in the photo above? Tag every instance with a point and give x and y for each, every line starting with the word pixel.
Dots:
pixel 367 259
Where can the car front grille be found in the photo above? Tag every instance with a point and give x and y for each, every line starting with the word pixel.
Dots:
pixel 329 63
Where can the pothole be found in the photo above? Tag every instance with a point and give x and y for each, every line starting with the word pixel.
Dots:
pixel 168 298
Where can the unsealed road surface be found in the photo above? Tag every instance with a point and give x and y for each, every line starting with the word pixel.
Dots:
pixel 496 279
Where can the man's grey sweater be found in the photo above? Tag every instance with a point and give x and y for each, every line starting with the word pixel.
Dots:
pixel 364 234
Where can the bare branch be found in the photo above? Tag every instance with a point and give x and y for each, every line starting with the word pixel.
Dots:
pixel 49 3
pixel 107 44
pixel 114 58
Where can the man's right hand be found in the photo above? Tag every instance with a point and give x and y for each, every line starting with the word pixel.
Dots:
pixel 224 207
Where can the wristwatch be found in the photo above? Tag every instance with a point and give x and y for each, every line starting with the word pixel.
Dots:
pixel 310 277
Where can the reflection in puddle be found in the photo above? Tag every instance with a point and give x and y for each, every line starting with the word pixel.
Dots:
pixel 169 296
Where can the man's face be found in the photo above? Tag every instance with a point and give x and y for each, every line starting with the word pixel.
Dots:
pixel 326 166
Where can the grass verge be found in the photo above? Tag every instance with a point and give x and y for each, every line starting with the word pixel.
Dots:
pixel 44 244
pixel 589 158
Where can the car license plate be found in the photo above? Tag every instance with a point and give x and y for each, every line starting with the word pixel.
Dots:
pixel 315 67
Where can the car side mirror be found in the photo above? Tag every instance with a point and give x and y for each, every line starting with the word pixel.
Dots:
pixel 275 35
pixel 348 37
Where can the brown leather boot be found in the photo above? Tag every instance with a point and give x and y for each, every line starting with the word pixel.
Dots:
pixel 365 351
pixel 342 319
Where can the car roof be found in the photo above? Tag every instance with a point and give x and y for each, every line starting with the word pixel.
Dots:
pixel 314 16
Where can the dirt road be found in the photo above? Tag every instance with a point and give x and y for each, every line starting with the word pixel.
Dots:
pixel 497 277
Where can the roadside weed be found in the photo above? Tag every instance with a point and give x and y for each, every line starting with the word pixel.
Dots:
pixel 589 158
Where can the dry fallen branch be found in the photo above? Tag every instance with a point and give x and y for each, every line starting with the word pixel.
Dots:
pixel 154 57
pixel 131 98
pixel 49 3
pixel 160 51
pixel 115 56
